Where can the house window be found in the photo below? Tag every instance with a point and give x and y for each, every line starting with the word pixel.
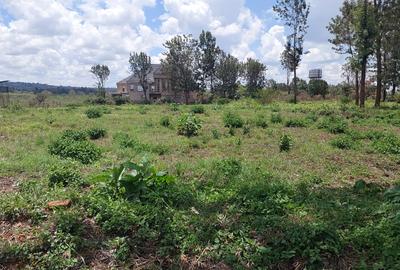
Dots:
pixel 132 87
pixel 140 88
pixel 123 89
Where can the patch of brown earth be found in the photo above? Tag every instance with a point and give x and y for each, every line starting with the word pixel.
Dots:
pixel 7 184
pixel 16 233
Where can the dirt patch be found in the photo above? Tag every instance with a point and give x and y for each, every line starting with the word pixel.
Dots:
pixel 7 184
pixel 16 233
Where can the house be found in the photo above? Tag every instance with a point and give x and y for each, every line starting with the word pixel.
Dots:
pixel 159 89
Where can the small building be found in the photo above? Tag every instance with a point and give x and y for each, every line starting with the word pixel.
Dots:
pixel 315 74
pixel 159 89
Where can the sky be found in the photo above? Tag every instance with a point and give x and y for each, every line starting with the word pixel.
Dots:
pixel 57 41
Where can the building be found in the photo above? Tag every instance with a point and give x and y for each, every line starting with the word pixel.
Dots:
pixel 159 89
pixel 315 74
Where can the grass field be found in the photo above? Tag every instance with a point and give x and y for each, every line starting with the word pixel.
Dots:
pixel 234 198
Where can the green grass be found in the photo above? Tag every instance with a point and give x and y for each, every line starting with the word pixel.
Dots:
pixel 236 199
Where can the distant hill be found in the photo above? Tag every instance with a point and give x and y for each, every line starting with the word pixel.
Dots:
pixel 39 87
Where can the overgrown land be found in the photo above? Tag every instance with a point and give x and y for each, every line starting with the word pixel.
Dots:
pixel 239 185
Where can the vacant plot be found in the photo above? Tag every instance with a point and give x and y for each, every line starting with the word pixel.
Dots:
pixel 234 186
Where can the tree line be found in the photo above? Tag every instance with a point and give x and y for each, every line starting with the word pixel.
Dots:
pixel 367 32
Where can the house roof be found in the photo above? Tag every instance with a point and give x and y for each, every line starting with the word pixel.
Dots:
pixel 156 69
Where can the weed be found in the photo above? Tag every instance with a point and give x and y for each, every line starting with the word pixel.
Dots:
pixel 92 113
pixel 333 124
pixel 296 123
pixel 165 121
pixel 344 142
pixel 232 120
pixel 96 133
pixel 188 125
pixel 261 121
pixel 197 109
pixel 64 173
pixel 276 118
pixel 285 143
pixel 216 134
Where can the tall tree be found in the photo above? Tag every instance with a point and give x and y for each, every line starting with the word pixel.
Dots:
pixel 289 61
pixel 227 75
pixel 365 40
pixel 101 74
pixel 342 27
pixel 180 63
pixel 140 66
pixel 294 13
pixel 208 54
pixel 254 72
pixel 378 6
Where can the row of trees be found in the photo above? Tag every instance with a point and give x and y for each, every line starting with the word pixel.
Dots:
pixel 200 65
pixel 368 33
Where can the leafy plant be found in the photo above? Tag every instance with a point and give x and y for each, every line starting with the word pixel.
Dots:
pixel 343 142
pixel 165 121
pixel 68 146
pixel 276 118
pixel 188 125
pixel 198 109
pixel 92 113
pixel 334 124
pixel 64 173
pixel 388 144
pixel 215 133
pixel 261 121
pixel 285 143
pixel 233 120
pixel 296 123
pixel 96 133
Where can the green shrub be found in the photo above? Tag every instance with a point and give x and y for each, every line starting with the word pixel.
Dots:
pixel 285 143
pixel 174 107
pixel 229 167
pixel 343 142
pixel 126 141
pixel 296 123
pixel 389 144
pixel 261 121
pixel 76 135
pixel 120 248
pixel 232 120
pixel 64 173
pixel 70 222
pixel 188 125
pixel 334 124
pixel 68 147
pixel 246 129
pixel 165 121
pixel 276 118
pixel 197 109
pixel 96 133
pixel 318 87
pixel 92 113
pixel 215 133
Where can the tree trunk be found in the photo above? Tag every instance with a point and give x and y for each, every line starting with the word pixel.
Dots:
pixel 357 89
pixel 378 74
pixel 295 86
pixel 384 93
pixel 394 89
pixel 288 81
pixel 363 77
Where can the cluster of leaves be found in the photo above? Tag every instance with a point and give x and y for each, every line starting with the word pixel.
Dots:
pixel 333 124
pixel 64 173
pixel 261 121
pixel 297 122
pixel 344 142
pixel 285 143
pixel 74 145
pixel 233 120
pixel 165 121
pixel 276 118
pixel 198 109
pixel 96 133
pixel 188 125
pixel 94 112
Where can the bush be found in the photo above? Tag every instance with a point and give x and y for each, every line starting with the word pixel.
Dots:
pixel 120 100
pixel 232 120
pixel 296 123
pixel 197 109
pixel 67 146
pixel 389 144
pixel 70 222
pixel 92 113
pixel 261 122
pixel 276 118
pixel 334 124
pixel 76 135
pixel 318 87
pixel 343 142
pixel 165 121
pixel 215 133
pixel 96 133
pixel 174 107
pixel 64 173
pixel 188 125
pixel 285 143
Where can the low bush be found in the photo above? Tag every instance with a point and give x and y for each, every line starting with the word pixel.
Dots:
pixel 92 113
pixel 64 173
pixel 216 134
pixel 165 121
pixel 334 124
pixel 96 133
pixel 285 143
pixel 76 135
pixel 70 222
pixel 126 141
pixel 67 146
pixel 276 118
pixel 188 125
pixel 296 123
pixel 388 144
pixel 197 109
pixel 261 121
pixel 232 120
pixel 174 107
pixel 344 142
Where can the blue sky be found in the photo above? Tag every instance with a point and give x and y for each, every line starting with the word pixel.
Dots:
pixel 56 41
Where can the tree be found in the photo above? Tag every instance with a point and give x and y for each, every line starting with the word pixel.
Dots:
pixel 180 64
pixel 101 74
pixel 254 72
pixel 208 55
pixel 365 40
pixel 342 27
pixel 378 7
pixel 294 13
pixel 318 87
pixel 227 75
pixel 301 84
pixel 140 66
pixel 289 61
